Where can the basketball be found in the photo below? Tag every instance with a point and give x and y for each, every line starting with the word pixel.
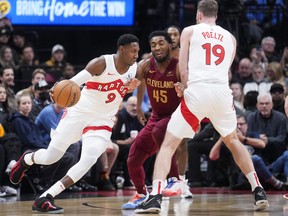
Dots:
pixel 66 93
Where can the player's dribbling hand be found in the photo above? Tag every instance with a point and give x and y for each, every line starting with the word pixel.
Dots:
pixel 179 88
pixel 132 84
pixel 51 91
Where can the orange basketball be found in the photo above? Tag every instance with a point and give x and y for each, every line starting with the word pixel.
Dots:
pixel 66 93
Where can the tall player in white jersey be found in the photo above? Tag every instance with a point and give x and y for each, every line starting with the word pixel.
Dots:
pixel 107 78
pixel 206 54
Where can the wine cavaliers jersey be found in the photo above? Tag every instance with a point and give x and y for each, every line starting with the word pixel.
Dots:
pixel 161 90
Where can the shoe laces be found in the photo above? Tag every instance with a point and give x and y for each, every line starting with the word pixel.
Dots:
pixel 136 197
pixel 170 183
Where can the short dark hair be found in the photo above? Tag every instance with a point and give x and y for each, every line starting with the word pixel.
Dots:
pixel 127 39
pixel 173 26
pixel 209 8
pixel 4 68
pixel 160 33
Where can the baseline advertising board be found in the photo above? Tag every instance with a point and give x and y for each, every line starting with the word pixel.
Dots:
pixel 69 12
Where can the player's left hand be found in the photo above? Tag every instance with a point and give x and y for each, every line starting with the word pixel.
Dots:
pixel 179 88
pixel 132 84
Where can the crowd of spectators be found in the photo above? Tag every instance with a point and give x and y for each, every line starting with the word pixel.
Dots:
pixel 258 81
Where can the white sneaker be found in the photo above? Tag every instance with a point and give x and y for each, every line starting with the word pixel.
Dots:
pixel 173 188
pixel 186 193
pixel 9 167
pixel 2 192
pixel 9 191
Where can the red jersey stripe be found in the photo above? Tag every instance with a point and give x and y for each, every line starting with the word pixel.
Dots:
pixel 189 117
pixel 86 129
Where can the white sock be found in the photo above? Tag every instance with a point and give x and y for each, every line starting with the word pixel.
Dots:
pixel 182 177
pixel 28 159
pixel 57 188
pixel 253 180
pixel 157 187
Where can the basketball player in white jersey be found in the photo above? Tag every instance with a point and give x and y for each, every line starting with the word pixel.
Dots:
pixel 206 54
pixel 107 78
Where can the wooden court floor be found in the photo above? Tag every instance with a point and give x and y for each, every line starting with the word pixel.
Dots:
pixel 214 202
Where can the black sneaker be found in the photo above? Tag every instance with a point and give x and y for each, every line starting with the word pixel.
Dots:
pixel 151 205
pixel 105 185
pixel 19 169
pixel 46 204
pixel 261 201
pixel 86 186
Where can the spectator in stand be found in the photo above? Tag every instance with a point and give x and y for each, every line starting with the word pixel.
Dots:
pixel 278 97
pixel 57 59
pixel 5 33
pixel 31 139
pixel 56 64
pixel 259 83
pixel 268 45
pixel 10 141
pixel 7 78
pixel 270 126
pixel 10 146
pixel 41 98
pixel 37 76
pixel 250 101
pixel 258 57
pixel 284 61
pixel 126 122
pixel 18 44
pixel 6 57
pixel 275 75
pixel 68 71
pixel 238 95
pixel 243 74
pixel 28 57
pixel 4 106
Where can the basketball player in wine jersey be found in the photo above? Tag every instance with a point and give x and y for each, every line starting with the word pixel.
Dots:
pixel 108 78
pixel 158 74
pixel 207 52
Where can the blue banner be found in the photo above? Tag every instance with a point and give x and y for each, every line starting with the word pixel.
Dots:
pixel 69 12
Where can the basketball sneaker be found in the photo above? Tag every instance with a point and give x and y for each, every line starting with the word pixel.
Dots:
pixel 46 204
pixel 19 169
pixel 185 190
pixel 151 205
pixel 135 201
pixel 261 201
pixel 173 187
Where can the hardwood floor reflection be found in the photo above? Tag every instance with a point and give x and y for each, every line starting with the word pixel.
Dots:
pixel 217 203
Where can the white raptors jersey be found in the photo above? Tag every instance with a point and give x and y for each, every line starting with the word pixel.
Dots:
pixel 103 94
pixel 210 54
